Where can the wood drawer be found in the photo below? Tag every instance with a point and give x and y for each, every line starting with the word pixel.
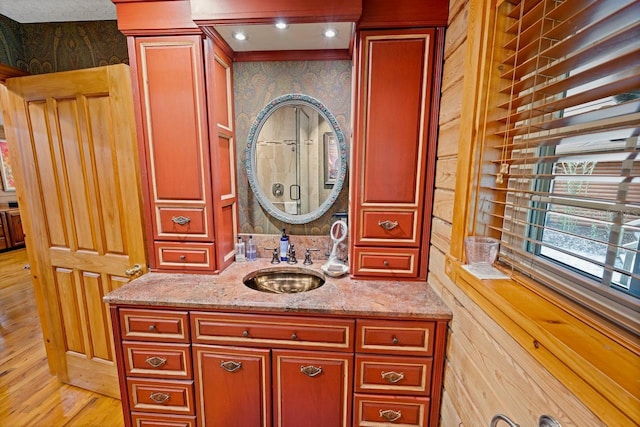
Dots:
pixel 388 262
pixel 180 256
pixel 389 228
pixel 395 337
pixel 272 331
pixel 182 222
pixel 154 325
pixel 162 420
pixel 164 396
pixel 371 411
pixel 393 375
pixel 158 360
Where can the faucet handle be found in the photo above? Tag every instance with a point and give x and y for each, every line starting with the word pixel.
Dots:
pixel 275 258
pixel 307 256
pixel 292 255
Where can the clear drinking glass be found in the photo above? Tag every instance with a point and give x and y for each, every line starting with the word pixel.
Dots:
pixel 481 253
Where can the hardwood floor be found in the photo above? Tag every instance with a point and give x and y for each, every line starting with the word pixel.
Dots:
pixel 29 394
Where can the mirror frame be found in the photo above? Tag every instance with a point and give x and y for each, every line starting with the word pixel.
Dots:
pixel 250 160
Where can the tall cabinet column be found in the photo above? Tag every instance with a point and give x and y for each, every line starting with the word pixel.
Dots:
pixel 184 99
pixel 393 160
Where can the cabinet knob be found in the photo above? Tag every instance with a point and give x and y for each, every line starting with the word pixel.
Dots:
pixel 153 328
pixel 182 257
pixel 245 333
pixel 388 225
pixel 395 340
pixel 159 397
pixel 311 371
pixel 294 336
pixel 385 263
pixel 156 361
pixel 230 365
pixel 392 377
pixel 181 220
pixel 390 415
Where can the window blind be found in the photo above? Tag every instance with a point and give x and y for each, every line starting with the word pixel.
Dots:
pixel 559 175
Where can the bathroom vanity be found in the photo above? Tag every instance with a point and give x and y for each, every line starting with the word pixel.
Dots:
pixel 208 350
pixel 194 345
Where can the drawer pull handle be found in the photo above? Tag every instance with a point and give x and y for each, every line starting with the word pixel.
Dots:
pixel 385 263
pixel 311 371
pixel 153 328
pixel 395 340
pixel 390 415
pixel 156 361
pixel 393 377
pixel 181 220
pixel 294 336
pixel 245 333
pixel 159 397
pixel 230 366
pixel 182 257
pixel 388 225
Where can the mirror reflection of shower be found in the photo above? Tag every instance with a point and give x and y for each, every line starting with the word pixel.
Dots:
pixel 289 159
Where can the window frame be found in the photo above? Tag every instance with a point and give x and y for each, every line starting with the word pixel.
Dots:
pixel 556 331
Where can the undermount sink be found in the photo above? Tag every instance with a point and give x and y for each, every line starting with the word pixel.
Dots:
pixel 284 280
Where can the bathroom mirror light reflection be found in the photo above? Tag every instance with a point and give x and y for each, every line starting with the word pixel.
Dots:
pixel 296 158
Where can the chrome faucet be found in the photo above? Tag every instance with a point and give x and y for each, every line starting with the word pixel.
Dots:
pixel 275 257
pixel 496 418
pixel 307 256
pixel 291 256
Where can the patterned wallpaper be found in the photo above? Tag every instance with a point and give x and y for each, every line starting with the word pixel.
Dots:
pixel 257 83
pixel 52 47
pixel 61 46
pixel 11 50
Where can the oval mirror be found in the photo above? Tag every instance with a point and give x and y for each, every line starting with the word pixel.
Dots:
pixel 296 158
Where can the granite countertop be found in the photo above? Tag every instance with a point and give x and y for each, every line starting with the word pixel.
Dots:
pixel 338 296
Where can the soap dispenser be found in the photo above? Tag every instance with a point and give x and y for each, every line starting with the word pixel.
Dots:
pixel 240 253
pixel 251 249
pixel 284 246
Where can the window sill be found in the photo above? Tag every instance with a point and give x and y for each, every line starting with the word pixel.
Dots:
pixel 596 361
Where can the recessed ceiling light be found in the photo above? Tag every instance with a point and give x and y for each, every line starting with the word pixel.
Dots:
pixel 240 36
pixel 330 32
pixel 281 25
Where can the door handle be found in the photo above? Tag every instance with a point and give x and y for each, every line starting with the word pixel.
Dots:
pixel 134 271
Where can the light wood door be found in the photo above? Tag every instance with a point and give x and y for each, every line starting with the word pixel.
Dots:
pixel 73 139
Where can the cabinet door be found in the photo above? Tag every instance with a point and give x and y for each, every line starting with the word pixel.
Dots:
pixel 4 235
pixel 232 386
pixel 312 389
pixel 16 233
pixel 170 73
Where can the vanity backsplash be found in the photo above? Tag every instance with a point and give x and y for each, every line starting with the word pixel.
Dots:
pixel 322 244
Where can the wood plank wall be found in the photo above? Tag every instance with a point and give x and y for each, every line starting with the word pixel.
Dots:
pixel 486 371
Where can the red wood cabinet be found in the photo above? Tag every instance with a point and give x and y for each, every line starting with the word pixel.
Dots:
pixel 11 231
pixel 238 369
pixel 184 106
pixel 191 209
pixel 394 151
pixel 4 233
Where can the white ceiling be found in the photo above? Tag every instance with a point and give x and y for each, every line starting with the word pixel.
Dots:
pixel 32 11
pixel 259 37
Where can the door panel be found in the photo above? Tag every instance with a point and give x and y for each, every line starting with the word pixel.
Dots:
pixel 78 188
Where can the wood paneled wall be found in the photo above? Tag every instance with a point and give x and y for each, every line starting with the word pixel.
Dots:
pixel 486 372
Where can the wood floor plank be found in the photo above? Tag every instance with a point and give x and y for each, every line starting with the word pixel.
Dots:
pixel 29 395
